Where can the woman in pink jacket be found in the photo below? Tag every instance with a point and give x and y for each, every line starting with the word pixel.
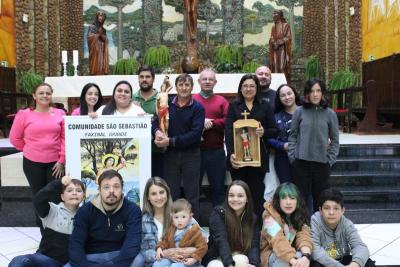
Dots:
pixel 39 133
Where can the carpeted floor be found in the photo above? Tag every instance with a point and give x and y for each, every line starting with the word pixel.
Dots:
pixel 17 213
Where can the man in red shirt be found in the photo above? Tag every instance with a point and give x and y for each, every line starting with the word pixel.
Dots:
pixel 213 158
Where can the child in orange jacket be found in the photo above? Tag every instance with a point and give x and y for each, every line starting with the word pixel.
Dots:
pixel 184 232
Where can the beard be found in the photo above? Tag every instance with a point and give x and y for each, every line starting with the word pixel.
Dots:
pixel 265 85
pixel 146 87
pixel 111 200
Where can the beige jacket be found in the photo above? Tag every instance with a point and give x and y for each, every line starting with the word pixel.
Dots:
pixel 279 244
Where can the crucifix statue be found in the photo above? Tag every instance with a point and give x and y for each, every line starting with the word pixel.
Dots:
pixel 190 64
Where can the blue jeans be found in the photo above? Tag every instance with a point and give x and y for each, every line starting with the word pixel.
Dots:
pixel 107 257
pixel 170 263
pixel 34 260
pixel 283 168
pixel 213 162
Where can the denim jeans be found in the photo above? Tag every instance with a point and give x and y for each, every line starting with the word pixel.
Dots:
pixel 213 162
pixel 34 260
pixel 283 168
pixel 274 261
pixel 183 167
pixel 170 263
pixel 107 257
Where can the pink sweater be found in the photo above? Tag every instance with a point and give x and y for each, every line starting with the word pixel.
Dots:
pixel 76 112
pixel 40 135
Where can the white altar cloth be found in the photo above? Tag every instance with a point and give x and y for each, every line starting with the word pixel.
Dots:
pixel 71 86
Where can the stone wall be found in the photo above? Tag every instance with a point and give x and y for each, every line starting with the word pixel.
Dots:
pixel 52 26
pixel 333 34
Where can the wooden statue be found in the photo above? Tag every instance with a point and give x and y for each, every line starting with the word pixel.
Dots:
pixel 280 45
pixel 162 105
pixel 98 46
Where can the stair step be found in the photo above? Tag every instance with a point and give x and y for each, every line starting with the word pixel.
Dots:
pixel 362 216
pixel 344 181
pixel 393 206
pixel 366 174
pixel 389 164
pixel 372 212
pixel 369 150
pixel 370 190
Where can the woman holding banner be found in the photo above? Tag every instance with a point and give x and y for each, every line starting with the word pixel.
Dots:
pixel 121 102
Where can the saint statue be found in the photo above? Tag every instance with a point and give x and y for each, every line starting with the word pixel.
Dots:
pixel 280 45
pixel 98 46
pixel 246 145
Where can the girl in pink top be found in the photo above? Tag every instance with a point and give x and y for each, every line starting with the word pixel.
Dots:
pixel 90 100
pixel 39 133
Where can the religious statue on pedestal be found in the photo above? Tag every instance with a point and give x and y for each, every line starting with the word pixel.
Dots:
pixel 98 46
pixel 280 45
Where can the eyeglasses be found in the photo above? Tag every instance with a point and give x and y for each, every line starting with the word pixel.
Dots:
pixel 250 86
pixel 108 187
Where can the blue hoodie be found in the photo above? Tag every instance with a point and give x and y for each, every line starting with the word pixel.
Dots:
pixel 95 231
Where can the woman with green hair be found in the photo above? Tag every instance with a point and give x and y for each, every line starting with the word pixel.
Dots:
pixel 285 236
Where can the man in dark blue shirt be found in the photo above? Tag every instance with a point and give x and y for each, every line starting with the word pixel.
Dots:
pixel 108 229
pixel 182 141
pixel 264 76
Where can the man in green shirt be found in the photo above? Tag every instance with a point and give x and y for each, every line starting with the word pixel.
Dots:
pixel 146 97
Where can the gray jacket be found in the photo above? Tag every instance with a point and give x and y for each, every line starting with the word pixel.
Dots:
pixel 312 128
pixel 332 245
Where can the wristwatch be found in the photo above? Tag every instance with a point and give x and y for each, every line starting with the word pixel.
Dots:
pixel 307 255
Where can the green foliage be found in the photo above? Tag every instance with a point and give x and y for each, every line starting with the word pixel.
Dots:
pixel 264 11
pixel 237 55
pixel 157 57
pixel 343 79
pixel 312 68
pixel 127 66
pixel 223 54
pixel 250 67
pixel 258 53
pixel 70 69
pixel 29 80
pixel 229 58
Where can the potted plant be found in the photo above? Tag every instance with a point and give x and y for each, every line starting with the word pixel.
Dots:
pixel 312 68
pixel 29 80
pixel 229 58
pixel 126 66
pixel 157 57
pixel 250 67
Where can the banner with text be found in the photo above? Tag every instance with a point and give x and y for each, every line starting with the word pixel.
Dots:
pixel 122 143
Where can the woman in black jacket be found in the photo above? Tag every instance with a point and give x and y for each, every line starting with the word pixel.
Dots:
pixel 234 236
pixel 249 99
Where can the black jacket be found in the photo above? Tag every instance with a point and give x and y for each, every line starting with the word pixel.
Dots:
pixel 218 244
pixel 261 112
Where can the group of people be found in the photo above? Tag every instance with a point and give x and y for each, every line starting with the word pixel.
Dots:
pixel 110 231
